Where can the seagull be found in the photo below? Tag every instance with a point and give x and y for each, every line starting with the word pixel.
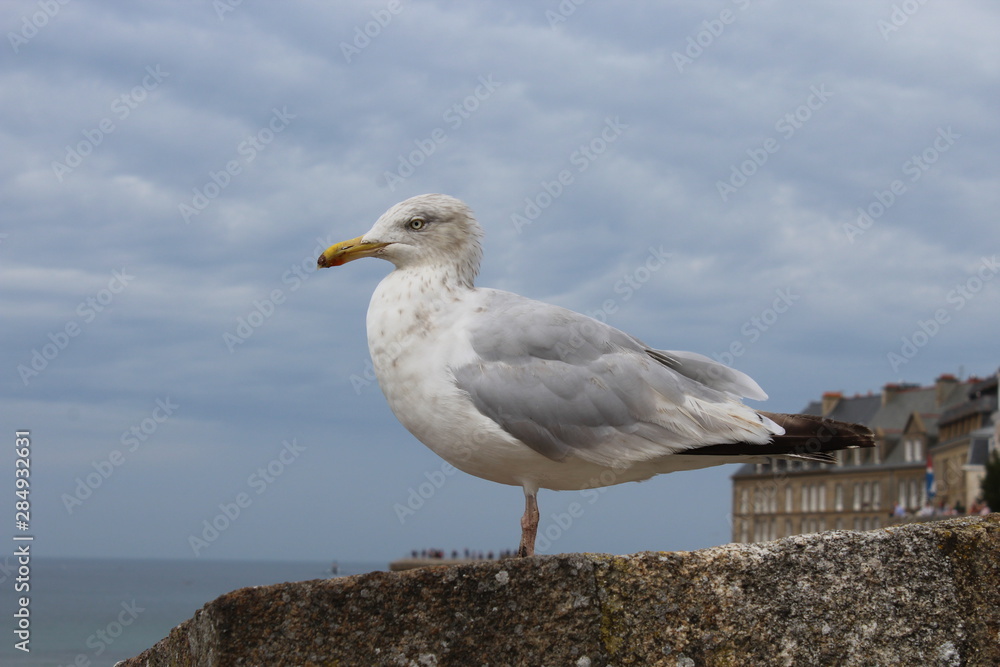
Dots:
pixel 529 394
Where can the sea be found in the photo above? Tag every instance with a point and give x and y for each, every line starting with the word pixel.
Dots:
pixel 90 612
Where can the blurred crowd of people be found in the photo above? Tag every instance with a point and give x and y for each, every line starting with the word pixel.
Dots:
pixel 467 554
pixel 941 509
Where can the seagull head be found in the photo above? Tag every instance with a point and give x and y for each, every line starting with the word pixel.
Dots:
pixel 433 230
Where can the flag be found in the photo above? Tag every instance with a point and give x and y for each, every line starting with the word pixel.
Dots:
pixel 931 486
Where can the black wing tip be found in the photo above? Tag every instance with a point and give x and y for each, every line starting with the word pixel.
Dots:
pixel 807 437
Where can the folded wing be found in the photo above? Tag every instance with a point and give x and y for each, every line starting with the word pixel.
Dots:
pixel 568 385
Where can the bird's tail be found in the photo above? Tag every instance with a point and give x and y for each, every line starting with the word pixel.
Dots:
pixel 806 437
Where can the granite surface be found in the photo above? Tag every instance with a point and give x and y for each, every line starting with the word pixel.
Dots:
pixel 922 594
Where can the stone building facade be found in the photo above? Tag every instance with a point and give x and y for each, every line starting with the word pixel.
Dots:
pixel 950 424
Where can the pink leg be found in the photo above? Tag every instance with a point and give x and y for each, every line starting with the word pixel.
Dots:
pixel 529 524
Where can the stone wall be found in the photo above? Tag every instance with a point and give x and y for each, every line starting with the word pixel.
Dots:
pixel 925 594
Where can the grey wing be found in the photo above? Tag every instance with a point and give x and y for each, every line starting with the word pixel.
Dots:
pixel 565 384
pixel 711 373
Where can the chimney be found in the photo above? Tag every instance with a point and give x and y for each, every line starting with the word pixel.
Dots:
pixel 830 401
pixel 888 391
pixel 942 388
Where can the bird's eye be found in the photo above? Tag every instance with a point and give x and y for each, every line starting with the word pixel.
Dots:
pixel 416 224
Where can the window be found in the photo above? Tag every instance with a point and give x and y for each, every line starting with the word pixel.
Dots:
pixel 838 498
pixel 857 497
pixel 915 499
pixel 765 500
pixel 866 495
pixel 913 451
pixel 822 498
pixel 745 502
pixel 877 495
pixel 762 530
pixel 789 499
pixel 788 528
pixel 902 493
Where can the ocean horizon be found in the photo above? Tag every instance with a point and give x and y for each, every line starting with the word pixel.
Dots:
pixel 107 610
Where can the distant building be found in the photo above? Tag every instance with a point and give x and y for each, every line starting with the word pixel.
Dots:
pixel 966 435
pixel 951 425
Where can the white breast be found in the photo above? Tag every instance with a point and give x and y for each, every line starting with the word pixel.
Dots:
pixel 415 335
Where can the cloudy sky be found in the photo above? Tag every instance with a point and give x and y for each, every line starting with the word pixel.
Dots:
pixel 805 191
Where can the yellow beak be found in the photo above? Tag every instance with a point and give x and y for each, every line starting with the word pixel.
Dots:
pixel 346 251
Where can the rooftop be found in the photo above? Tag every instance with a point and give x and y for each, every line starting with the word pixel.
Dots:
pixel 889 412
